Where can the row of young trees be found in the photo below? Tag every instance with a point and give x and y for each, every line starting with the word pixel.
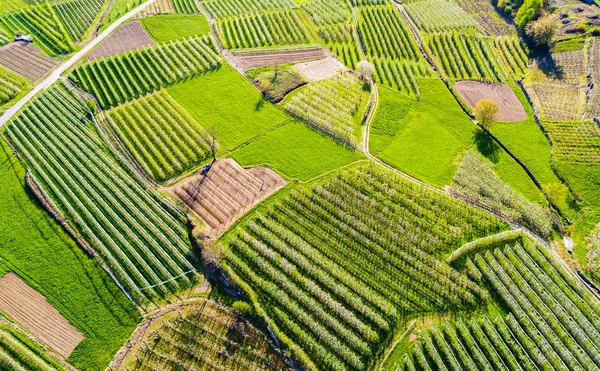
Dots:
pixel 162 137
pixel 138 236
pixel 333 269
pixel 575 141
pixel 17 352
pixel 207 336
pixel 10 85
pixel 328 12
pixel 121 78
pixel 263 29
pixel 78 15
pixel 554 321
pixel 331 104
pixel 440 15
pixel 234 8
pixel 43 24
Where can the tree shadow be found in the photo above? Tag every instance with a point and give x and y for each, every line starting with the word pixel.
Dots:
pixel 260 103
pixel 548 65
pixel 486 146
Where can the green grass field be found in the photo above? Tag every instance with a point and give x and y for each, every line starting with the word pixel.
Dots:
pixel 427 138
pixel 225 100
pixel 166 27
pixel 36 248
pixel 296 151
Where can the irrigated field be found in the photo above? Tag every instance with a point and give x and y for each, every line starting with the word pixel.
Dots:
pixel 332 268
pixel 137 235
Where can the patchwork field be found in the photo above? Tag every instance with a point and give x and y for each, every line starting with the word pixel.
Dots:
pixel 299 184
pixel 30 309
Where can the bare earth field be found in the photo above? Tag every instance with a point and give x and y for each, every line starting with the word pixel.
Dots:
pixel 320 70
pixel 128 37
pixel 26 59
pixel 511 109
pixel 247 61
pixel 31 310
pixel 225 193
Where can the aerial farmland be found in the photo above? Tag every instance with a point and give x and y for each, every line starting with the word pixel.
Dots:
pixel 348 185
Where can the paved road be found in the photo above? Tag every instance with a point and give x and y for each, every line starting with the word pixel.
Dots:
pixel 55 75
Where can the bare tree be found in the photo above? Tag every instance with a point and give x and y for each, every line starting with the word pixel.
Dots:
pixel 208 136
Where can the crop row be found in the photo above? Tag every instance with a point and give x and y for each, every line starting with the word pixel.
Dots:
pixel 198 338
pixel 118 8
pixel 341 33
pixel 575 141
pixel 10 85
pixel 163 138
pixel 488 16
pixel 464 57
pixel 594 63
pixel 185 6
pixel 21 354
pixel 331 104
pixel 401 74
pixel 593 248
pixel 328 12
pixel 440 15
pixel 512 54
pixel 78 15
pixel 476 178
pixel 367 2
pixel 332 269
pixel 233 8
pixel 347 53
pixel 135 233
pixel 3 38
pixel 554 321
pixel 121 78
pixel 384 34
pixel 42 23
pixel 264 29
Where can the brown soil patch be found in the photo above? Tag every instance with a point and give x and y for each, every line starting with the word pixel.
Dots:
pixel 225 193
pixel 130 36
pixel 31 310
pixel 320 70
pixel 511 109
pixel 248 61
pixel 26 59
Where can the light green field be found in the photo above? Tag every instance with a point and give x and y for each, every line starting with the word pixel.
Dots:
pixel 296 151
pixel 36 248
pixel 166 27
pixel 427 138
pixel 225 100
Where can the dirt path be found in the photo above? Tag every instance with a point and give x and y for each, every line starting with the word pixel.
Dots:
pixel 56 74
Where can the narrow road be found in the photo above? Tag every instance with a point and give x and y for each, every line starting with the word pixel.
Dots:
pixel 55 75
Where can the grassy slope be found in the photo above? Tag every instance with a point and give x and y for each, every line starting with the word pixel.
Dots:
pixel 528 143
pixel 296 151
pixel 34 247
pixel 427 138
pixel 168 27
pixel 227 101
